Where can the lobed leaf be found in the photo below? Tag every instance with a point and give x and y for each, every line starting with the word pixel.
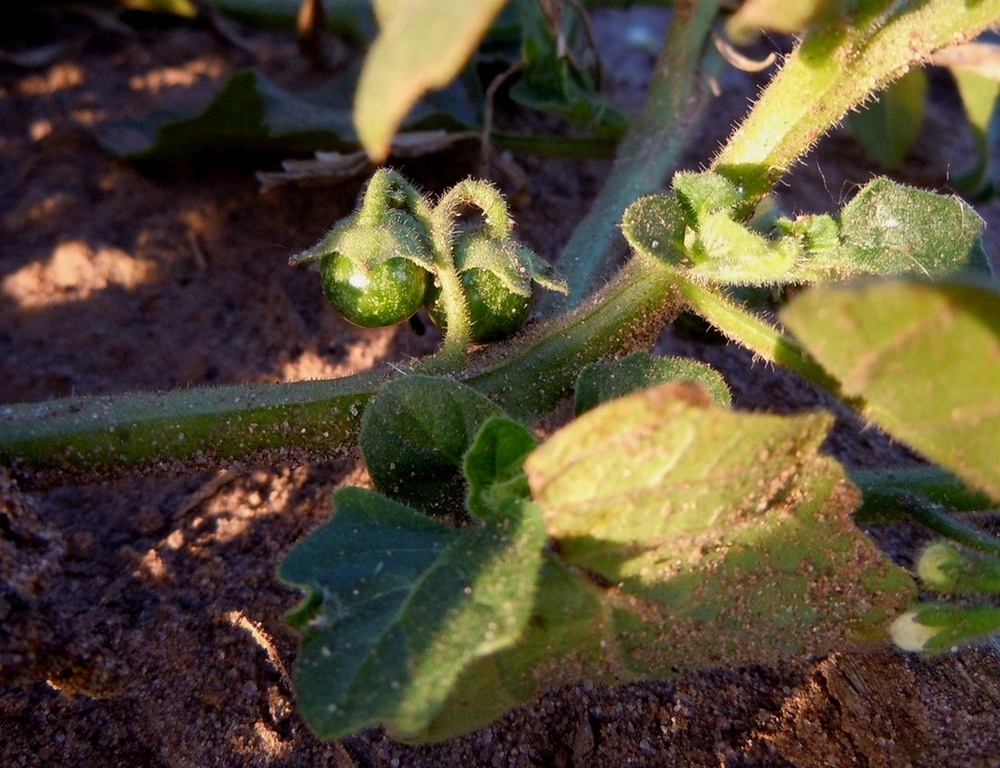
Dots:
pixel 925 358
pixel 399 605
pixel 720 536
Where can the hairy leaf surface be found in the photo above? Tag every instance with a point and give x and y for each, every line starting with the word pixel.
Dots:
pixel 925 358
pixel 398 605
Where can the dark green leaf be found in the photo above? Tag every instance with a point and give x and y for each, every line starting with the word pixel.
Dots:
pixel 249 114
pixel 890 493
pixel 552 81
pixel 414 436
pixel 494 465
pixel 600 382
pixel 889 126
pixel 398 606
pixel 925 358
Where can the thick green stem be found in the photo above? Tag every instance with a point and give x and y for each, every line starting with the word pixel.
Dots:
pixel 650 150
pixel 88 439
pixel 832 72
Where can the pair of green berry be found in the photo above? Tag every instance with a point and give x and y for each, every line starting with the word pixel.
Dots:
pixel 380 265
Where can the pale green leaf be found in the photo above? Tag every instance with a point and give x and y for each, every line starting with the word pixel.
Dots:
pixel 711 522
pixel 421 47
pixel 785 16
pixel 892 229
pixel 925 358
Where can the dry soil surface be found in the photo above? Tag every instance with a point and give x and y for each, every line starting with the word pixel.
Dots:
pixel 142 621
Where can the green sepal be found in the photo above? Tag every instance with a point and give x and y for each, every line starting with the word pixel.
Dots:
pixel 601 382
pixel 398 235
pixel 414 437
pixel 513 262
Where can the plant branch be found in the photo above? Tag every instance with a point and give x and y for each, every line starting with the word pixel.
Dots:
pixel 650 150
pixel 93 439
pixel 831 72
pixel 755 334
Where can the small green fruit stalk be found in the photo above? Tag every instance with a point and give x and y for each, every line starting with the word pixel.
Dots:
pixel 496 271
pixel 375 264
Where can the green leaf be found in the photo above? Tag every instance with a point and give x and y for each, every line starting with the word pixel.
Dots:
pixel 600 382
pixel 925 358
pixel 979 99
pixel 350 18
pixel 781 16
pixel 494 465
pixel 703 193
pixel 399 605
pixel 891 493
pixel 552 81
pixel 414 436
pixel 249 114
pixel 940 627
pixel 654 225
pixel 421 46
pixel 892 229
pixel 889 126
pixel 723 534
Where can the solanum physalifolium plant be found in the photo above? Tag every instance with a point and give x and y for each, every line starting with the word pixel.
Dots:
pixel 659 530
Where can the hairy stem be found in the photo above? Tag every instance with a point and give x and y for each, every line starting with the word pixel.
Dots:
pixel 832 71
pixel 650 150
pixel 90 439
pixel 755 334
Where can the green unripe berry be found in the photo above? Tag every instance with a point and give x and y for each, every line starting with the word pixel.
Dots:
pixel 373 297
pixel 495 312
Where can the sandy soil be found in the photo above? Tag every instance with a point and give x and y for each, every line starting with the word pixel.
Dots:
pixel 141 621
